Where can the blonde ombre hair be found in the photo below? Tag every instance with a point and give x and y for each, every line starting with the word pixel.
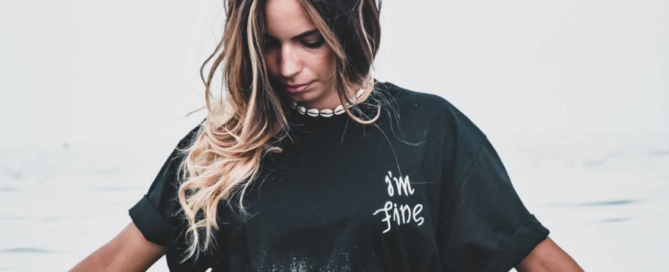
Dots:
pixel 248 121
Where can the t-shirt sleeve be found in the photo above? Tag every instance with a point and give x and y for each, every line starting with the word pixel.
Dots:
pixel 484 225
pixel 153 214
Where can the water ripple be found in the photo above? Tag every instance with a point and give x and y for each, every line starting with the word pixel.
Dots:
pixel 114 188
pixel 6 218
pixel 23 250
pixel 7 189
pixel 609 203
pixel 616 219
pixel 60 218
pixel 660 152
pixel 14 173
pixel 597 203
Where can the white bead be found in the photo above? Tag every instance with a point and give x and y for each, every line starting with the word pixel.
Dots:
pixel 360 92
pixel 339 110
pixel 326 112
pixel 312 112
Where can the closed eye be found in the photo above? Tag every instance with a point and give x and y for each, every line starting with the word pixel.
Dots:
pixel 315 44
pixel 271 42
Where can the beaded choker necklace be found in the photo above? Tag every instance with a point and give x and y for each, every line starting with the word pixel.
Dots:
pixel 326 112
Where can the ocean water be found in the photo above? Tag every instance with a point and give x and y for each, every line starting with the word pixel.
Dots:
pixel 572 94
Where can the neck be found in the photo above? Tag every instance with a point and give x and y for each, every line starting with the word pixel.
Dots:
pixel 332 100
pixel 332 105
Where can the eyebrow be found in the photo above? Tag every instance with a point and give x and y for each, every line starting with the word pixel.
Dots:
pixel 304 34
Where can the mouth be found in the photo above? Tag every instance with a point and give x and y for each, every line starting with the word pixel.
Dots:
pixel 297 88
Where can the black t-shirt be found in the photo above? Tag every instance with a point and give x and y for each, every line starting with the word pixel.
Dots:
pixel 421 189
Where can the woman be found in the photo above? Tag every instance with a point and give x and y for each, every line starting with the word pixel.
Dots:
pixel 309 164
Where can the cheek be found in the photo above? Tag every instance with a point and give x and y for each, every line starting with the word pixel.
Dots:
pixel 271 63
pixel 323 63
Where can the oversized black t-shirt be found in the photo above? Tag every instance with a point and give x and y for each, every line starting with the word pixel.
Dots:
pixel 421 189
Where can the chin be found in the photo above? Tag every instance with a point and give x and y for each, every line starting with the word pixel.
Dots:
pixel 307 95
pixel 302 97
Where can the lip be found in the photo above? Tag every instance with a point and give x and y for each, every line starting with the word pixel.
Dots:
pixel 297 88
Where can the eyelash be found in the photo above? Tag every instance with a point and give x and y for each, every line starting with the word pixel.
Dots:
pixel 313 45
pixel 316 44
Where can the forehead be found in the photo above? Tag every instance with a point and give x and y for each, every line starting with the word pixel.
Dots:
pixel 286 18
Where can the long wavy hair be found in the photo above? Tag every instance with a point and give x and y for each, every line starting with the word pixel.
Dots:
pixel 247 120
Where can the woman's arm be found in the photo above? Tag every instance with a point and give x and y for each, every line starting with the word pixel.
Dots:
pixel 128 251
pixel 547 256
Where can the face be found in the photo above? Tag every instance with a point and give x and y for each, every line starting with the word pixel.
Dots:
pixel 297 56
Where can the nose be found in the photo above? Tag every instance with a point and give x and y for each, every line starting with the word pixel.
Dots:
pixel 289 63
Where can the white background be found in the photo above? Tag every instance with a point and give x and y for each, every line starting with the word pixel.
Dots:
pixel 573 94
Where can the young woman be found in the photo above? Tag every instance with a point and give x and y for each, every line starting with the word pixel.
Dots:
pixel 308 163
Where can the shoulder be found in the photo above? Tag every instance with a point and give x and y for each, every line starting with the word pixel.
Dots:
pixel 430 111
pixel 417 102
